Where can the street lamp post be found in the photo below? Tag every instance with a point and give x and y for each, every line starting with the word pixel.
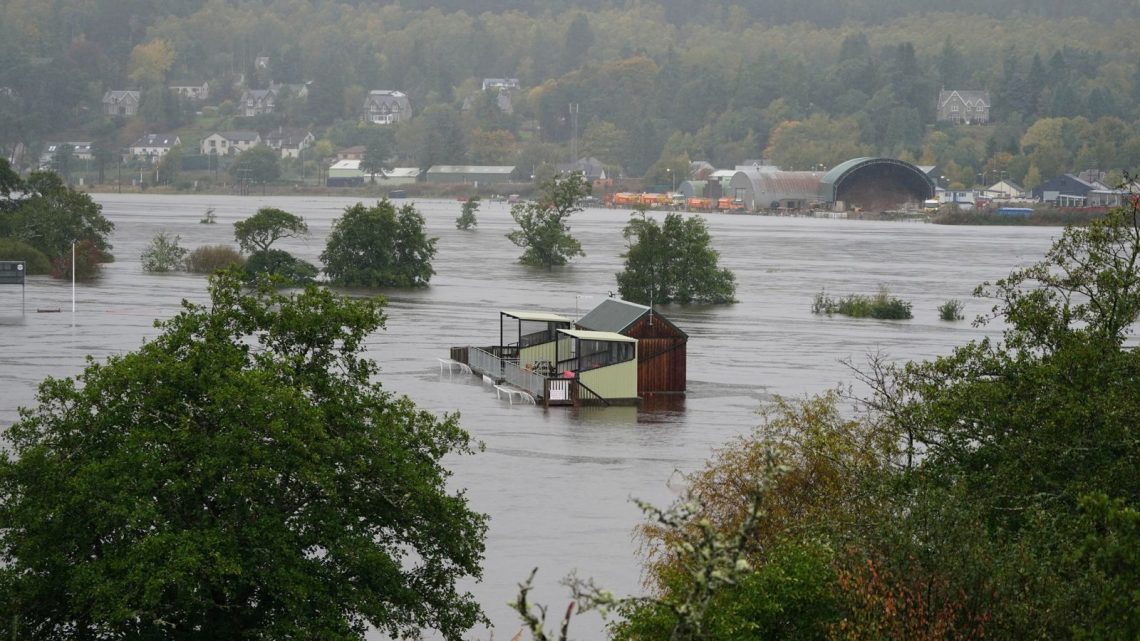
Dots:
pixel 672 179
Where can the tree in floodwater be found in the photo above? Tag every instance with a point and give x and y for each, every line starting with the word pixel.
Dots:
pixel 672 262
pixel 543 232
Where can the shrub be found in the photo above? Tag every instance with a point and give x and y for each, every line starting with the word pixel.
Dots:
pixel 210 258
pixel 466 218
pixel 37 262
pixel 279 264
pixel 882 306
pixel 164 254
pixel 951 310
pixel 88 258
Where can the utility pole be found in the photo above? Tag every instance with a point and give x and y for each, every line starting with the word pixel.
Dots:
pixel 574 132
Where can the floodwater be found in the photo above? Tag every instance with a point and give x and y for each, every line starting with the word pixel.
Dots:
pixel 557 483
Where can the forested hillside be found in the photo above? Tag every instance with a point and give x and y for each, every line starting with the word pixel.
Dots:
pixel 804 82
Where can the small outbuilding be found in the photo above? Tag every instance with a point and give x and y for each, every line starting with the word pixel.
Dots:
pixel 469 174
pixel 662 346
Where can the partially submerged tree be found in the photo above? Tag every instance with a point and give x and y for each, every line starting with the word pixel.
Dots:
pixel 257 234
pixel 267 226
pixel 240 476
pixel 379 247
pixel 543 231
pixel 466 219
pixel 164 254
pixel 672 263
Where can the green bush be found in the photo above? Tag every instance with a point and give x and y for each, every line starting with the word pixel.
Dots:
pixel 279 264
pixel 210 258
pixel 882 306
pixel 37 261
pixel 951 310
pixel 163 254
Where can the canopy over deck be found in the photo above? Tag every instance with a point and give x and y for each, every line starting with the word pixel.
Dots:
pixel 545 317
pixel 586 335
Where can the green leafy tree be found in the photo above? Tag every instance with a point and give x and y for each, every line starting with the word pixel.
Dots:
pixel 169 166
pixel 163 254
pixel 50 216
pixel 543 231
pixel 63 161
pixel 242 475
pixel 466 219
pixel 672 263
pixel 259 164
pixel 379 247
pixel 267 226
pixel 280 267
pixel 377 154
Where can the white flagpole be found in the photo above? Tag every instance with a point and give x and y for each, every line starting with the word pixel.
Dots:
pixel 73 280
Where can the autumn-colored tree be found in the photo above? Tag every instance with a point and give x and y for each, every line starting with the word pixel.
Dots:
pixel 151 62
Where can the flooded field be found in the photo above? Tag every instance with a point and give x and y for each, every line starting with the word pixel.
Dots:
pixel 557 483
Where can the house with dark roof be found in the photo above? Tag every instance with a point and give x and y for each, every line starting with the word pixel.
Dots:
pixel 964 107
pixel 1065 190
pixel 121 103
pixel 255 102
pixel 154 146
pixel 386 107
pixel 661 345
pixel 290 141
pixel 592 168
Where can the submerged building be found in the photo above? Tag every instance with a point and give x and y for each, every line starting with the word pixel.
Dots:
pixel 870 184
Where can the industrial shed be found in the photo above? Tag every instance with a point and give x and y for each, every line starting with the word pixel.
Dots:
pixel 760 187
pixel 661 345
pixel 875 184
pixel 469 174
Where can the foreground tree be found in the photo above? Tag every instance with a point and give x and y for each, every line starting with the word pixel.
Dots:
pixel 240 476
pixel 672 263
pixel 379 247
pixel 543 232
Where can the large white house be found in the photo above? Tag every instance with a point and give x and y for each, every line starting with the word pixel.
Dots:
pixel 229 143
pixel 154 146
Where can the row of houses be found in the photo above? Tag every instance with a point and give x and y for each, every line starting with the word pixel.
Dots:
pixel 380 106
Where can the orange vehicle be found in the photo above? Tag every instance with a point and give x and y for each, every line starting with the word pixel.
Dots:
pixel 654 200
pixel 724 204
pixel 624 199
pixel 699 204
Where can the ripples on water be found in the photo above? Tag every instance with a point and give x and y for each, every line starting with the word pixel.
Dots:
pixel 557 483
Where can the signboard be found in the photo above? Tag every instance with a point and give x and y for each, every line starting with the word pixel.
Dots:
pixel 12 272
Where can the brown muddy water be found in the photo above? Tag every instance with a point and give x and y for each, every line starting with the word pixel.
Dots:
pixel 557 484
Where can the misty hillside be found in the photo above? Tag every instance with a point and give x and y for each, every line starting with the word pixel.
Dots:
pixel 802 82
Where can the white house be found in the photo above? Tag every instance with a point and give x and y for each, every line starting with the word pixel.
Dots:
pixel 154 146
pixel 228 143
pixel 195 92
pixel 290 141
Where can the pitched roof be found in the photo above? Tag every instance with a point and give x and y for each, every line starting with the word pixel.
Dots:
pixel 239 134
pixel 287 135
pixel 612 315
pixel 116 95
pixel 471 169
pixel 969 97
pixel 157 140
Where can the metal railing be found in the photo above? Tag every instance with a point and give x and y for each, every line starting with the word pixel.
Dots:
pixel 484 362
pixel 523 379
